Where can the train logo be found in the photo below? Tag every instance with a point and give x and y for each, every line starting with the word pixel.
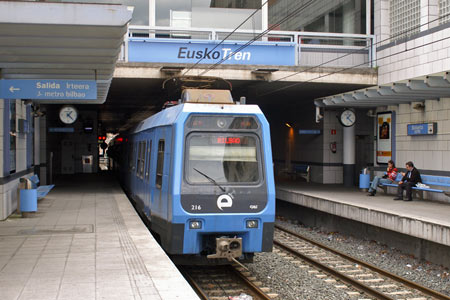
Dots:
pixel 224 201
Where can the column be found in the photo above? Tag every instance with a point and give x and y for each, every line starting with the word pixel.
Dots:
pixel 349 155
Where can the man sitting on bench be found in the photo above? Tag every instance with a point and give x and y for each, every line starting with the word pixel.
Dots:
pixel 409 180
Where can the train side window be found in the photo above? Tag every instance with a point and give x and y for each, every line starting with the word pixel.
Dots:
pixel 149 159
pixel 138 161
pixel 160 164
pixel 141 160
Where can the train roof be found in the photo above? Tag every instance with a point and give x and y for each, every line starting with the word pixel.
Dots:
pixel 169 115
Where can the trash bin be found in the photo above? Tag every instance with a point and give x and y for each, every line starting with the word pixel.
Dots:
pixel 28 197
pixel 364 181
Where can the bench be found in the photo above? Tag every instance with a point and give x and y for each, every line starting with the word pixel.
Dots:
pixel 299 170
pixel 42 190
pixel 430 180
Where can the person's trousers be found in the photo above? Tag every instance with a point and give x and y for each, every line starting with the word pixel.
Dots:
pixel 377 181
pixel 405 186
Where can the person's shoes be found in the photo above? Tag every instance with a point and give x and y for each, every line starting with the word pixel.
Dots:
pixel 371 194
pixel 407 200
pixel 398 198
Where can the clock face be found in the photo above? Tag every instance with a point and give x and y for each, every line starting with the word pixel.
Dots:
pixel 68 114
pixel 348 118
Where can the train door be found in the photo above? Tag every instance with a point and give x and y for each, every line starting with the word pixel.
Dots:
pixel 148 190
pixel 140 172
pixel 160 192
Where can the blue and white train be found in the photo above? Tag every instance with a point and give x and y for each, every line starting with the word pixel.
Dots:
pixel 202 174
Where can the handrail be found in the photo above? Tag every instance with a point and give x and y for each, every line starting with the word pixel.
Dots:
pixel 344 40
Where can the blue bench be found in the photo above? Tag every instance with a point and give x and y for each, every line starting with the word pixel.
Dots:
pixel 435 181
pixel 42 190
pixel 300 170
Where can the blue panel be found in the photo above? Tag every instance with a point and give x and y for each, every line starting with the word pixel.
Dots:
pixel 61 129
pixel 52 89
pixel 309 131
pixel 191 51
pixel 30 140
pixel 422 129
pixel 6 137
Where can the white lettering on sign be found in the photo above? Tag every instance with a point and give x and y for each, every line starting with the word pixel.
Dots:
pixel 47 85
pixel 75 86
pixel 236 55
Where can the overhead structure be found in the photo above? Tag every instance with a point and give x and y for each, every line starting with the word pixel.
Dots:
pixel 71 41
pixel 414 90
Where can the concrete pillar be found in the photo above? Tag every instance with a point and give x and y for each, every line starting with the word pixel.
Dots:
pixel 349 155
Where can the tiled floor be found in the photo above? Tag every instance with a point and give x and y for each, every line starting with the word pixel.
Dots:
pixel 85 242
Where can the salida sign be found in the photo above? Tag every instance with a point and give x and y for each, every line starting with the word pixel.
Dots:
pixel 191 51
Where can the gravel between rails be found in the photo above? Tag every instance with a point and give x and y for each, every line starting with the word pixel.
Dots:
pixel 289 281
pixel 293 283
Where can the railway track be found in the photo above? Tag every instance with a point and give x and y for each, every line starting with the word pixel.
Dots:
pixel 224 282
pixel 359 279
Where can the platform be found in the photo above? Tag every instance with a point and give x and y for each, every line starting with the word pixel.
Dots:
pixel 421 219
pixel 85 242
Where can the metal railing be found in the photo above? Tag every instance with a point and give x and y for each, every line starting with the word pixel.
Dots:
pixel 312 42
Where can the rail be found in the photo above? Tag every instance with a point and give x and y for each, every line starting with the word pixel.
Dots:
pixel 321 42
pixel 370 290
pixel 221 281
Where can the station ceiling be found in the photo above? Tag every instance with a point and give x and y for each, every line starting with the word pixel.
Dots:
pixel 130 100
pixel 71 41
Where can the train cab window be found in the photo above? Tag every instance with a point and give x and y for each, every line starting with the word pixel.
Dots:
pixel 149 159
pixel 160 164
pixel 222 157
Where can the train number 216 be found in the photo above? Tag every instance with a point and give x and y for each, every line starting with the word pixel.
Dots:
pixel 196 207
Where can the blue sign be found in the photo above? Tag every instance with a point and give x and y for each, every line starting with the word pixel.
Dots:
pixel 48 89
pixel 191 51
pixel 422 129
pixel 309 131
pixel 61 129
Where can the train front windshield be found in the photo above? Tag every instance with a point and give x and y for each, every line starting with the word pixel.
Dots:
pixel 224 158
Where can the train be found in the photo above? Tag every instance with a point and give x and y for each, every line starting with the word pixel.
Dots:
pixel 201 173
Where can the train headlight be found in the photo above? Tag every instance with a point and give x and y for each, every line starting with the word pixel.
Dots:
pixel 195 224
pixel 221 123
pixel 252 223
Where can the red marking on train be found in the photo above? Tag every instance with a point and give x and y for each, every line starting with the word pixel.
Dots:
pixel 228 140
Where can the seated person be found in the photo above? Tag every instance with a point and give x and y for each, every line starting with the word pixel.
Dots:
pixel 389 177
pixel 409 180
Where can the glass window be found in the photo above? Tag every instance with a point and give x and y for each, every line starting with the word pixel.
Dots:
pixel 141 160
pixel 208 13
pixel 160 164
pixel 347 16
pixel 224 158
pixel 12 136
pixel 149 158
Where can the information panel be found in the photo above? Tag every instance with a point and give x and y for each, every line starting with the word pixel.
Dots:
pixel 384 137
pixel 48 89
pixel 422 129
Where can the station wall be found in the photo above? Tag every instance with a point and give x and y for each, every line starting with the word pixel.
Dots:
pixel 291 148
pixel 429 153
pixel 23 166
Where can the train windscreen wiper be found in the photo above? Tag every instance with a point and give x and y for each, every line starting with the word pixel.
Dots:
pixel 211 180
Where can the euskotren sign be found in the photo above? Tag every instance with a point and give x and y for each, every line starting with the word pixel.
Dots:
pixel 189 51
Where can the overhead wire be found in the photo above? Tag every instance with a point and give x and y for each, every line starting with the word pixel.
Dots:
pixel 234 30
pixel 290 15
pixel 347 54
